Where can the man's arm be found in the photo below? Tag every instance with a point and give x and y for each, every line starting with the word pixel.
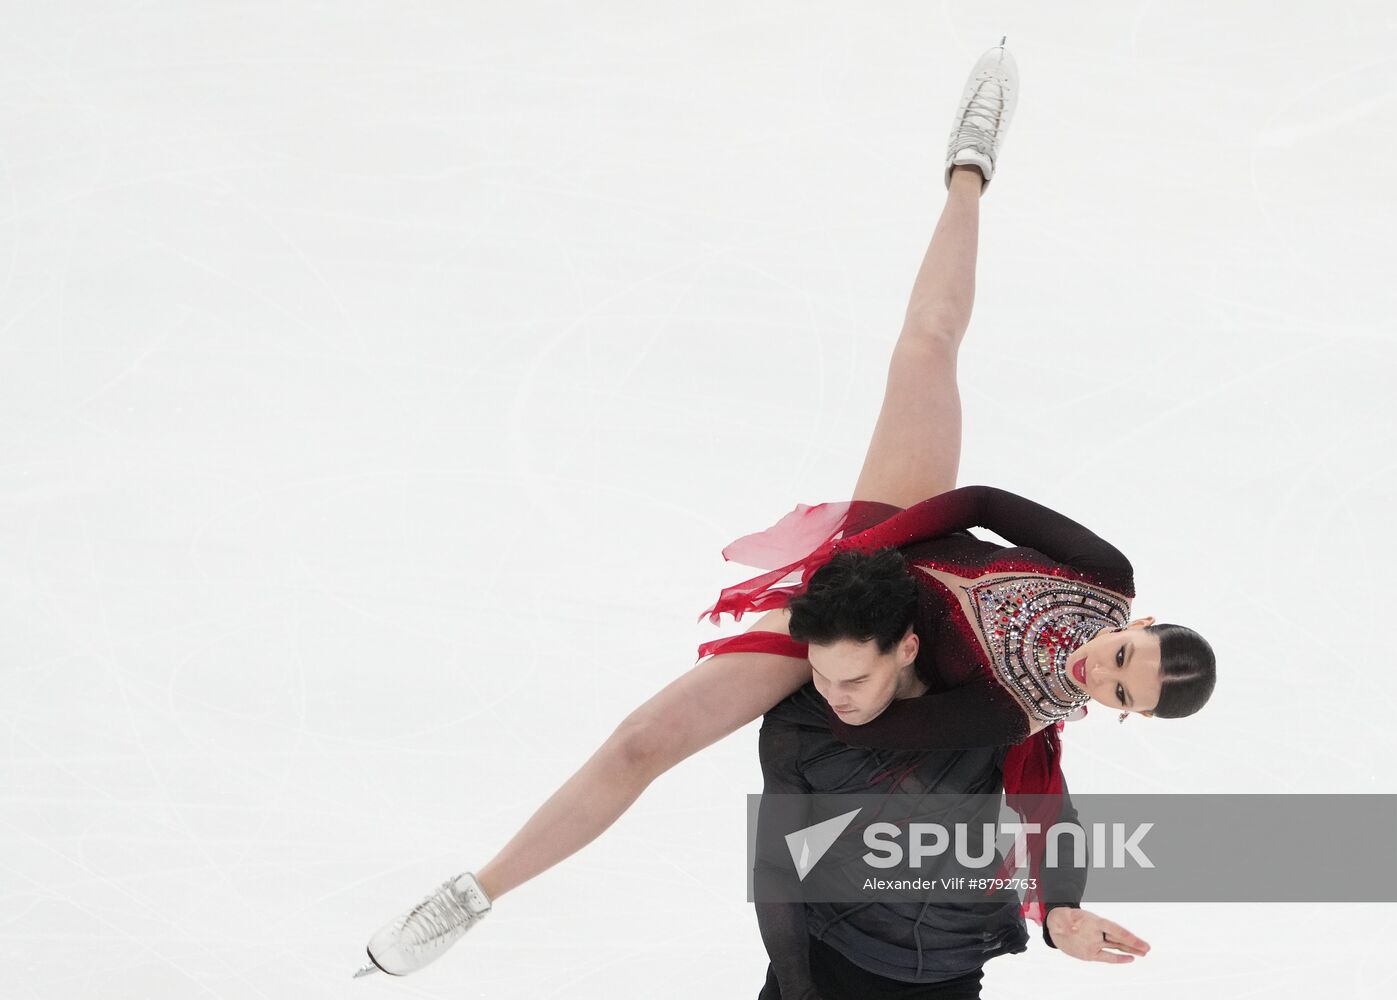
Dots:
pixel 782 925
pixel 1081 933
pixel 1065 884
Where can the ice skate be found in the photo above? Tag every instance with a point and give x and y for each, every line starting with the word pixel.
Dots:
pixel 424 933
pixel 986 106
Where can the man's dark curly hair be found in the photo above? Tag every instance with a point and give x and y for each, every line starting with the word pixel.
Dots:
pixel 859 596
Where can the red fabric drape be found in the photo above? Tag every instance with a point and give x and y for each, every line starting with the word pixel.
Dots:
pixel 800 543
pixel 755 642
pixel 1033 788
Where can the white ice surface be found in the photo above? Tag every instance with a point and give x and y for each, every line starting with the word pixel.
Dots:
pixel 379 383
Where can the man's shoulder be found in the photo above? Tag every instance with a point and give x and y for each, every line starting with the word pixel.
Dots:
pixel 804 707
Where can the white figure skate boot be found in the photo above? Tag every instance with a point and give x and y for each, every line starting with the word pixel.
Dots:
pixel 424 933
pixel 986 106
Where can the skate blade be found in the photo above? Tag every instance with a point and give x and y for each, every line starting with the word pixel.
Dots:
pixel 366 970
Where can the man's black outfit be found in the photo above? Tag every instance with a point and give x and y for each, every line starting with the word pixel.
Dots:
pixel 906 950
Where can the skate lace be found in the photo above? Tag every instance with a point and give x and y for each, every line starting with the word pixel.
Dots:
pixel 986 107
pixel 431 921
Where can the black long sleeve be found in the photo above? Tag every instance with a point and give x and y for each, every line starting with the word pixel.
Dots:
pixel 782 925
pixel 979 713
pixel 1023 522
pixel 1065 884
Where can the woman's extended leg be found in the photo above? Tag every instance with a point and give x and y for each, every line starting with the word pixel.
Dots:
pixel 915 450
pixel 913 455
pixel 715 698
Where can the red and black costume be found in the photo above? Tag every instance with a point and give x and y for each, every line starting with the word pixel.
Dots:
pixel 995 623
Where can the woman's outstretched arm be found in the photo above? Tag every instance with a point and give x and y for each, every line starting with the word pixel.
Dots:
pixel 717 697
pixel 979 713
pixel 1019 520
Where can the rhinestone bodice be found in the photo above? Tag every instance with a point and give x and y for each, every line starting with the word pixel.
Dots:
pixel 1027 624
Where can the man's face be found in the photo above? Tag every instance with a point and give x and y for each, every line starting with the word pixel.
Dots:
pixel 857 680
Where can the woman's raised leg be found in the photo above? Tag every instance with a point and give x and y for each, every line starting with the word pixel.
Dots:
pixel 915 449
pixel 715 698
pixel 914 454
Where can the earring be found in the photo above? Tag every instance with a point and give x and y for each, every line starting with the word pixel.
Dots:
pixel 1123 715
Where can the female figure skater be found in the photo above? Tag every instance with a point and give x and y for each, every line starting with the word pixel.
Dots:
pixel 975 644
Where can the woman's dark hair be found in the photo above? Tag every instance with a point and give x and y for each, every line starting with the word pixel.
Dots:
pixel 858 596
pixel 1188 670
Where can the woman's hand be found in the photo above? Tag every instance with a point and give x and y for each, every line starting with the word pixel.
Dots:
pixel 1092 938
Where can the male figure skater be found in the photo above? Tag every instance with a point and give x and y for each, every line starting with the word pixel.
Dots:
pixel 932 950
